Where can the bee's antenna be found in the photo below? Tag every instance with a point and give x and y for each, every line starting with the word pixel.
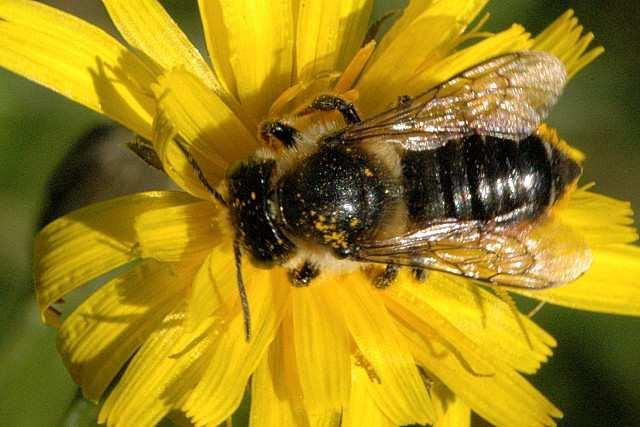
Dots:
pixel 241 289
pixel 236 242
pixel 194 164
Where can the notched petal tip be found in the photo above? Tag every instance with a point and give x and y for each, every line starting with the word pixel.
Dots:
pixel 602 220
pixel 611 285
pixel 148 27
pixel 90 242
pixel 77 60
pixel 565 38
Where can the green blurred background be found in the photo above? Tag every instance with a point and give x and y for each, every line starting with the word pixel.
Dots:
pixel 595 372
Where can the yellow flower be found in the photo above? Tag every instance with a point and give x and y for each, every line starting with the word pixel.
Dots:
pixel 338 351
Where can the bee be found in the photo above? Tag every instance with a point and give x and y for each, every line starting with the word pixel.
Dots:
pixel 457 179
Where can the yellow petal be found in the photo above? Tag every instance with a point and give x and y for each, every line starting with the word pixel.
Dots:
pixel 90 242
pixel 285 383
pixel 329 33
pixel 362 405
pixel 502 398
pixel 410 13
pixel 440 70
pixel 157 377
pixel 214 289
pixel 424 34
pixel 355 67
pixel 477 314
pixel 276 397
pixel 433 325
pixel 564 39
pixel 611 285
pixel 147 27
pixel 451 410
pixel 251 47
pixel 321 340
pixel 178 232
pixel 103 333
pixel 399 390
pixel 325 420
pixel 600 219
pixel 214 135
pixel 300 94
pixel 232 359
pixel 76 60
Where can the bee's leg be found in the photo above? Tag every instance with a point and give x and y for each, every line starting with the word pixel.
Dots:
pixel 419 274
pixel 301 277
pixel 284 133
pixel 404 100
pixel 334 103
pixel 387 277
pixel 374 29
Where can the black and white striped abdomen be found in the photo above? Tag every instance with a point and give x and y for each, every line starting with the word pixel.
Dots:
pixel 485 178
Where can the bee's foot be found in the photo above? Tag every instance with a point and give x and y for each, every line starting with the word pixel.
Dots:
pixel 334 103
pixel 301 277
pixel 419 274
pixel 390 273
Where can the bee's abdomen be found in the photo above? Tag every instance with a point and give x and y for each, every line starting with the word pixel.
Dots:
pixel 485 178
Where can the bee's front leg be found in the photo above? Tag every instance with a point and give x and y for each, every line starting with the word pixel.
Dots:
pixel 387 277
pixel 301 277
pixel 334 103
pixel 419 274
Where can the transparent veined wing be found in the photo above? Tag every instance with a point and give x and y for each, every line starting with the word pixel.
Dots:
pixel 536 255
pixel 507 97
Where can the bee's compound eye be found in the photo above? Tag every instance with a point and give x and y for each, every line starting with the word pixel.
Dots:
pixel 282 132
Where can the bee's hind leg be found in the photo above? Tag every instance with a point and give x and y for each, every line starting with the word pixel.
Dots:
pixel 301 277
pixel 334 103
pixel 419 274
pixel 383 280
pixel 404 101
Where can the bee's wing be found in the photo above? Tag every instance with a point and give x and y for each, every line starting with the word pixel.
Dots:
pixel 533 256
pixel 506 97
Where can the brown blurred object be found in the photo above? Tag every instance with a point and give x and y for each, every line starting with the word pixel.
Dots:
pixel 98 167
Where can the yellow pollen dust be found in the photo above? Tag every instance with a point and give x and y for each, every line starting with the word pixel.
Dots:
pixel 330 234
pixel 337 239
pixel 321 223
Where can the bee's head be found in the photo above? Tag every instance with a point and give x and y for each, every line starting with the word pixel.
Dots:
pixel 249 186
